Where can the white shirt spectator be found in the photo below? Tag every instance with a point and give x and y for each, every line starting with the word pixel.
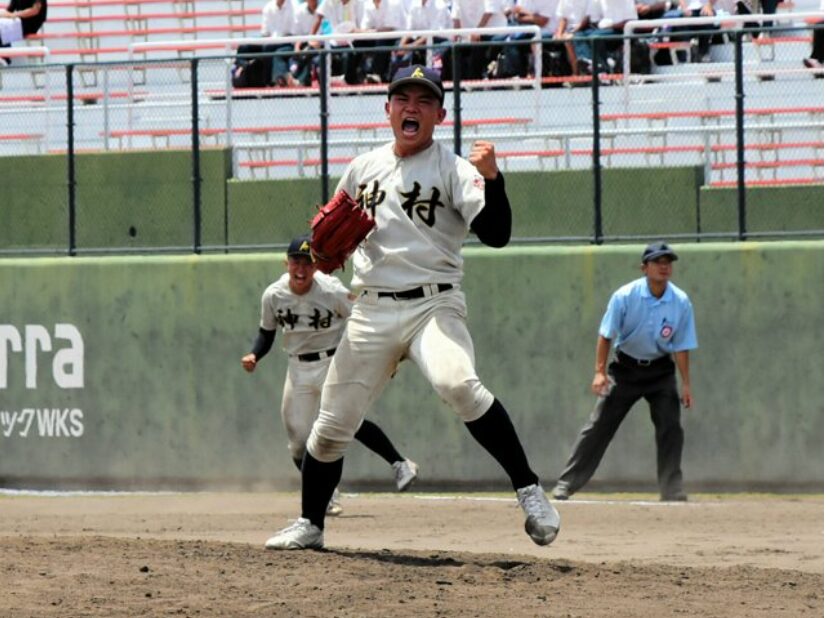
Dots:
pixel 612 13
pixel 545 8
pixel 342 17
pixel 389 15
pixel 469 13
pixel 428 15
pixel 574 11
pixel 304 20
pixel 725 7
pixel 277 20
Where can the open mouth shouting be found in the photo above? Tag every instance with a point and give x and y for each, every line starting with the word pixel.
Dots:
pixel 410 126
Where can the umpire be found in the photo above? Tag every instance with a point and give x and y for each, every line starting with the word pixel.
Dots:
pixel 649 319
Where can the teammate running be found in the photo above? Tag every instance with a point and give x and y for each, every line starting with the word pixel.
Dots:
pixel 311 308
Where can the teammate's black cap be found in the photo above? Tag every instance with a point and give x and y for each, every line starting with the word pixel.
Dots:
pixel 420 75
pixel 657 250
pixel 299 246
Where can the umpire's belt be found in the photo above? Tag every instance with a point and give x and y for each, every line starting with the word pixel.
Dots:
pixel 624 359
pixel 426 290
pixel 314 356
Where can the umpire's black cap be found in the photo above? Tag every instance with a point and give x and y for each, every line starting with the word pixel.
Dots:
pixel 419 75
pixel 657 250
pixel 299 246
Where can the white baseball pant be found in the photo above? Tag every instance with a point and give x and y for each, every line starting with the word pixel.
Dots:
pixel 300 401
pixel 430 331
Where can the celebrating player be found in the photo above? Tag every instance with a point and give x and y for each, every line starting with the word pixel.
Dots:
pixel 650 319
pixel 424 199
pixel 311 308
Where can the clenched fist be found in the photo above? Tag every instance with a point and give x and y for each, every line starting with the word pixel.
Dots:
pixel 483 158
pixel 248 362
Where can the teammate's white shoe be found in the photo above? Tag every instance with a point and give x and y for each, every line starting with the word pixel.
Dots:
pixel 334 508
pixel 542 522
pixel 406 472
pixel 301 534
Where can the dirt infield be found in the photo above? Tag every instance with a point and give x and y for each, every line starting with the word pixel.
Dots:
pixel 411 555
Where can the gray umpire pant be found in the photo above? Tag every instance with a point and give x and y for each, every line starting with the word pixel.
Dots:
pixel 656 383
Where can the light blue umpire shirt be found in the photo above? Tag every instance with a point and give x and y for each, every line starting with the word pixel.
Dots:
pixel 647 327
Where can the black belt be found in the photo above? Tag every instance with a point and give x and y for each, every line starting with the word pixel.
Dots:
pixel 414 293
pixel 314 356
pixel 624 359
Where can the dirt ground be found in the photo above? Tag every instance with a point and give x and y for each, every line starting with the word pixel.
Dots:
pixel 411 555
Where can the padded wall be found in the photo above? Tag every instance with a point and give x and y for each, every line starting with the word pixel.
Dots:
pixel 165 403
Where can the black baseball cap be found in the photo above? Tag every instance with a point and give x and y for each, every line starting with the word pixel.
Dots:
pixel 657 250
pixel 418 75
pixel 299 246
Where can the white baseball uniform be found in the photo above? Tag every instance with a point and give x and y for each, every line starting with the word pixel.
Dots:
pixel 423 206
pixel 312 324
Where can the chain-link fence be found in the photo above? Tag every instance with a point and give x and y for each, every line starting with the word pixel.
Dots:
pixel 702 133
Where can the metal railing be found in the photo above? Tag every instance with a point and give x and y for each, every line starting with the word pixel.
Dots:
pixel 606 143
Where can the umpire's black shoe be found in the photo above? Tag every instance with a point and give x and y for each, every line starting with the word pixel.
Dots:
pixel 675 497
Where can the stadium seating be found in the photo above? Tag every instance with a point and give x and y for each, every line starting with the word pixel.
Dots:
pixel 148 106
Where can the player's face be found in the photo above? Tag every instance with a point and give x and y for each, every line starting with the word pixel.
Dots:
pixel 659 270
pixel 413 111
pixel 301 270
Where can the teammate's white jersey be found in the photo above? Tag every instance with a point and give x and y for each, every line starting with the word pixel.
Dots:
pixel 312 322
pixel 423 205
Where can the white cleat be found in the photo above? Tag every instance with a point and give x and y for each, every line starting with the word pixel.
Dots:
pixel 406 472
pixel 301 534
pixel 542 521
pixel 334 508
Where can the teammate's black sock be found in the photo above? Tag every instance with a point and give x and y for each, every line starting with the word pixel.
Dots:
pixel 494 431
pixel 318 481
pixel 371 436
pixel 297 463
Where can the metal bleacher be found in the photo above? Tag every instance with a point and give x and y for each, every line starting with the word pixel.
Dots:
pixel 130 96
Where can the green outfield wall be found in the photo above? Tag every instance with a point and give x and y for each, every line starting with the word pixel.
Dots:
pixel 125 372
pixel 131 200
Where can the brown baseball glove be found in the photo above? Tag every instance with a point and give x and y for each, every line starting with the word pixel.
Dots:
pixel 338 228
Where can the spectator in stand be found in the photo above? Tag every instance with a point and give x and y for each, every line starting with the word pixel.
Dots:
pixel 815 60
pixel 20 18
pixel 474 14
pixel 303 64
pixel 574 16
pixel 381 16
pixel 695 8
pixel 540 13
pixel 652 9
pixel 277 20
pixel 251 68
pixel 608 20
pixel 344 17
pixel 423 15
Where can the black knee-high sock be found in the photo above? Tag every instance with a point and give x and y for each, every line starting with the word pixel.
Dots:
pixel 318 481
pixel 372 436
pixel 495 432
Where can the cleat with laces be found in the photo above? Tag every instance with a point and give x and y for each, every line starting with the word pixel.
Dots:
pixel 301 534
pixel 334 508
pixel 542 519
pixel 406 472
